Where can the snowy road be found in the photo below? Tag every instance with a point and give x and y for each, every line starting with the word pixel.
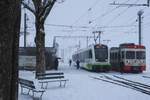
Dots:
pixel 81 87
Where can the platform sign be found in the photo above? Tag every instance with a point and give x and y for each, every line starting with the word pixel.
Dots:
pixel 27 61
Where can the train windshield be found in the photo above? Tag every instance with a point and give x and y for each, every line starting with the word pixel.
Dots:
pixel 130 54
pixel 101 54
pixel 140 54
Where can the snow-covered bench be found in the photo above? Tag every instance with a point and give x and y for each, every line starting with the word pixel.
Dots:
pixel 29 85
pixel 45 78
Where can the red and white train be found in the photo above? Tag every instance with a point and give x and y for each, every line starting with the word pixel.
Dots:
pixel 128 57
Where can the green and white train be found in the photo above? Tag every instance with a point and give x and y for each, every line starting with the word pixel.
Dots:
pixel 94 58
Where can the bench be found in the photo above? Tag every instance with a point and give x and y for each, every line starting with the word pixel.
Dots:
pixel 24 83
pixel 45 78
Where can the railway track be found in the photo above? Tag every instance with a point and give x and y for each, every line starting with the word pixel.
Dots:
pixel 146 77
pixel 134 83
pixel 143 88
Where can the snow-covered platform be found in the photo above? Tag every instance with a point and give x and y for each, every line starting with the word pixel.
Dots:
pixel 82 87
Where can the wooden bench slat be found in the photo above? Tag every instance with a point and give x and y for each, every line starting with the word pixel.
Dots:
pixel 45 78
pixel 55 80
pixel 50 77
pixel 24 83
pixel 52 73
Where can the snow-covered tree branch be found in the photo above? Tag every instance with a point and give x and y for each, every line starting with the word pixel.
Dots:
pixel 29 6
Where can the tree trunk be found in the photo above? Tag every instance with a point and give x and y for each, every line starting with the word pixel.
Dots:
pixel 9 43
pixel 40 46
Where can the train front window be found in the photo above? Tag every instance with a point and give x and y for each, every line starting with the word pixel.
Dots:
pixel 140 54
pixel 130 54
pixel 101 54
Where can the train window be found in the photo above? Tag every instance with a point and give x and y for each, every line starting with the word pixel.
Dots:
pixel 130 54
pixel 101 54
pixel 140 54
pixel 90 53
pixel 116 56
pixel 113 55
pixel 122 54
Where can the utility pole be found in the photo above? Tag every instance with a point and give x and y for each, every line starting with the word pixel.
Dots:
pixel 25 28
pixel 140 22
pixel 98 36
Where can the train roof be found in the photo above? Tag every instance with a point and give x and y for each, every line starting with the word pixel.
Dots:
pixel 131 45
pixel 126 44
pixel 114 48
pixel 89 47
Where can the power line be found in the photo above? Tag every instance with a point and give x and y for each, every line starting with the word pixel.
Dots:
pixel 78 36
pixel 106 13
pixel 118 15
pixel 124 4
pixel 75 30
pixel 133 23
pixel 121 13
pixel 87 27
pixel 147 23
pixel 89 9
pixel 147 14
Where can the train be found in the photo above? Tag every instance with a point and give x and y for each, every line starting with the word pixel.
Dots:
pixel 128 57
pixel 93 58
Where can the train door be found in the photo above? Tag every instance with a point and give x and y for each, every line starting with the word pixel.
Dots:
pixel 121 59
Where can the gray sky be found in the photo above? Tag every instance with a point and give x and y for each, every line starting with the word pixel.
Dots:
pixel 100 13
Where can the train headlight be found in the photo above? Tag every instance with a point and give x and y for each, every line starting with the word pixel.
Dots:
pixel 127 62
pixel 143 61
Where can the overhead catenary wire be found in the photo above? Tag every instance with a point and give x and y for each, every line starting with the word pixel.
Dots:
pixel 75 30
pixel 148 23
pixel 135 20
pixel 146 15
pixel 147 26
pixel 87 27
pixel 69 28
pixel 133 23
pixel 107 13
pixel 118 15
pixel 121 13
pixel 89 9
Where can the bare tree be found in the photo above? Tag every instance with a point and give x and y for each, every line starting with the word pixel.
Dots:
pixel 10 12
pixel 40 9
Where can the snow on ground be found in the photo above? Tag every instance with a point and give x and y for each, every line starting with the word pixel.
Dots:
pixel 81 87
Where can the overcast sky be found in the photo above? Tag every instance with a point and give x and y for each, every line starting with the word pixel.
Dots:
pixel 93 13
